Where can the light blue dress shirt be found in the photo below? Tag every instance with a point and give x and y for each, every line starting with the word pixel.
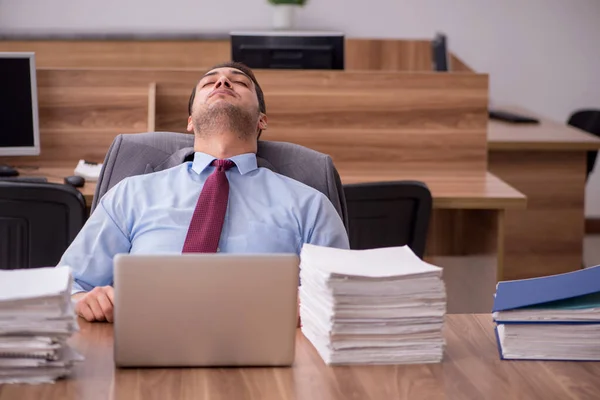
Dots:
pixel 150 214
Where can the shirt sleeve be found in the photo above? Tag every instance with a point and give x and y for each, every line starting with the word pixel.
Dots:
pixel 326 227
pixel 90 256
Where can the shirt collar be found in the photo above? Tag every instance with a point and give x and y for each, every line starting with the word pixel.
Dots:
pixel 244 162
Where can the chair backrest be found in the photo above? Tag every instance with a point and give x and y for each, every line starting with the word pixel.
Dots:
pixel 589 121
pixel 38 221
pixel 142 153
pixel 388 214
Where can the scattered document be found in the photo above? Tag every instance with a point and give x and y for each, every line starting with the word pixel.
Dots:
pixel 36 319
pixel 379 306
pixel 88 171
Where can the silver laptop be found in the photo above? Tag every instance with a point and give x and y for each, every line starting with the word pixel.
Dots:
pixel 205 309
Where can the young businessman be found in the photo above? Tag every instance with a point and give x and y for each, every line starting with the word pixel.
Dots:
pixel 252 209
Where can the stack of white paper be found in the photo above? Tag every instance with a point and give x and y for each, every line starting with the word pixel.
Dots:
pixel 380 306
pixel 36 319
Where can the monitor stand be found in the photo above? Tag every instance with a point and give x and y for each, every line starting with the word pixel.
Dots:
pixel 8 171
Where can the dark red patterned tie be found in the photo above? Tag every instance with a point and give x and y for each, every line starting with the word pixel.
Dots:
pixel 207 222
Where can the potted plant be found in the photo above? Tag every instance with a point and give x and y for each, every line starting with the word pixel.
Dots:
pixel 283 12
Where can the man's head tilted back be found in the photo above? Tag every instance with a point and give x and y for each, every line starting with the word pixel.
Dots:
pixel 227 101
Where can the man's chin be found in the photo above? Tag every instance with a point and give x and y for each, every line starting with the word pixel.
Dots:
pixel 220 102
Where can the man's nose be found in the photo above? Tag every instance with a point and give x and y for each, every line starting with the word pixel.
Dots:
pixel 223 82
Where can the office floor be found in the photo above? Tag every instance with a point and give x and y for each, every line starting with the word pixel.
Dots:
pixel 591 250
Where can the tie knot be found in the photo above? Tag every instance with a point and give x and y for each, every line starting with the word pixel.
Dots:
pixel 222 165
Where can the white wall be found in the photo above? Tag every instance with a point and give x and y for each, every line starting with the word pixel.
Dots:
pixel 541 54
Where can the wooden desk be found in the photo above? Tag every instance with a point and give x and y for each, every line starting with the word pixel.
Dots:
pixel 466 191
pixel 466 232
pixel 471 369
pixel 57 175
pixel 469 191
pixel 408 121
pixel 466 228
pixel 548 135
pixel 547 163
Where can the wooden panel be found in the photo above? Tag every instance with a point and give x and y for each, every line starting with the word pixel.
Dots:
pixel 73 109
pixel 471 369
pixel 360 54
pixel 463 232
pixel 458 65
pixel 388 55
pixel 124 53
pixel 547 237
pixel 548 135
pixel 80 122
pixel 415 121
pixel 429 122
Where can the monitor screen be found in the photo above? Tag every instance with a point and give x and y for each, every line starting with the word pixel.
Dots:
pixel 19 129
pixel 288 50
pixel 440 57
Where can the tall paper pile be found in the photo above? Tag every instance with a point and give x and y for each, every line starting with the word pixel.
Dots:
pixel 36 319
pixel 380 306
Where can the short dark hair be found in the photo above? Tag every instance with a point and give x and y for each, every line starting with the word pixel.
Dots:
pixel 239 66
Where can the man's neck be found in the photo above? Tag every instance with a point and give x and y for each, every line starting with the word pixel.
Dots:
pixel 223 147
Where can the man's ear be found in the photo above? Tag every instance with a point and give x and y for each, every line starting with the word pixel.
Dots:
pixel 190 125
pixel 262 122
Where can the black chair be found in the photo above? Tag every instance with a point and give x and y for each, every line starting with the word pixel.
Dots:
pixel 388 214
pixel 38 221
pixel 589 121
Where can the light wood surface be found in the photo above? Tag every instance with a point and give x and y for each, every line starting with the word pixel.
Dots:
pixel 458 65
pixel 548 135
pixel 388 55
pixel 547 237
pixel 471 369
pixel 360 54
pixel 434 122
pixel 410 121
pixel 80 122
pixel 450 191
pixel 473 191
pixel 123 53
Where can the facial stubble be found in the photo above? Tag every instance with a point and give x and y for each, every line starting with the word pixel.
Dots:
pixel 222 117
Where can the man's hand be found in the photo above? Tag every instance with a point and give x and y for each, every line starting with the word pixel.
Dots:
pixel 96 305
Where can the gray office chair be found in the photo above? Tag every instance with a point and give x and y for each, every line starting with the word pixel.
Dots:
pixel 387 214
pixel 143 153
pixel 38 221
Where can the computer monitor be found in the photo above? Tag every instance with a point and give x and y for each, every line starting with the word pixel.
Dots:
pixel 439 53
pixel 19 126
pixel 288 49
